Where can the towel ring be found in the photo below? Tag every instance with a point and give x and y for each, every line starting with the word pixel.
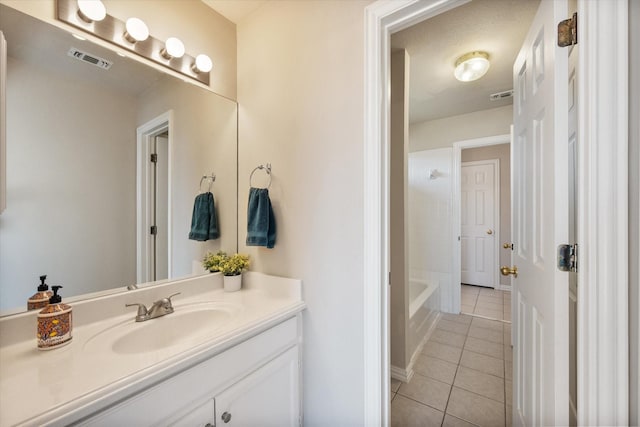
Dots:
pixel 212 177
pixel 266 168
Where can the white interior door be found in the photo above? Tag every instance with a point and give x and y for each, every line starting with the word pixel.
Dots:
pixel 478 211
pixel 540 223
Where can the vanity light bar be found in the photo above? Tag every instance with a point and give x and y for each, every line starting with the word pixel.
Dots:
pixel 114 31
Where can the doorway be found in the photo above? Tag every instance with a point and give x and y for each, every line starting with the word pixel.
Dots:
pixel 153 200
pixel 602 286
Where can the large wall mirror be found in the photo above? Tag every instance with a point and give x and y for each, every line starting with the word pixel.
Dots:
pixel 83 195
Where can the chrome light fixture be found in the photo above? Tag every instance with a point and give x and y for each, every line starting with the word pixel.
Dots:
pixel 203 64
pixel 173 48
pixel 133 35
pixel 136 30
pixel 91 10
pixel 471 66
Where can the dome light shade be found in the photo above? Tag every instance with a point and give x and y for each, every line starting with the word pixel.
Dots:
pixel 137 30
pixel 173 48
pixel 91 10
pixel 471 66
pixel 203 64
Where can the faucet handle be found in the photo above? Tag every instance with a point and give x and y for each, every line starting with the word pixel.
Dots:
pixel 142 309
pixel 171 296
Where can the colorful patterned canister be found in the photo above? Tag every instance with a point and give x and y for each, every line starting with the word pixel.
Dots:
pixel 55 323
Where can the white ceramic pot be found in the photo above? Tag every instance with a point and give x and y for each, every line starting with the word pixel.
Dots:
pixel 232 283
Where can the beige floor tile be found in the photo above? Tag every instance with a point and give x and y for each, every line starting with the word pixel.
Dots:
pixel 484 347
pixel 506 336
pixel 478 382
pixel 392 396
pixel 508 392
pixel 467 308
pixel 455 327
pixel 470 289
pixel 488 299
pixel 506 316
pixel 408 413
pixel 475 409
pixel 508 370
pixel 449 338
pixel 426 390
pixel 509 415
pixel 485 334
pixel 491 292
pixel 482 363
pixel 395 385
pixel 490 305
pixel 442 351
pixel 486 323
pixel 460 318
pixel 508 353
pixel 492 314
pixel 435 368
pixel 451 421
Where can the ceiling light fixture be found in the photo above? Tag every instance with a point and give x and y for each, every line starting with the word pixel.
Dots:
pixel 137 30
pixel 91 10
pixel 471 66
pixel 173 48
pixel 203 64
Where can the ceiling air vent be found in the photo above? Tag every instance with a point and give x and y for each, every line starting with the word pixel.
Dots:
pixel 501 95
pixel 91 59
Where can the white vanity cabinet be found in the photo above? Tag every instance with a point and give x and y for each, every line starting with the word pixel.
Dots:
pixel 253 383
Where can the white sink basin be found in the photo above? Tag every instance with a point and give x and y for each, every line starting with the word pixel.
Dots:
pixel 187 324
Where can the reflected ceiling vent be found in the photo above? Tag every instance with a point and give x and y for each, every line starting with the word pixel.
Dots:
pixel 501 95
pixel 91 59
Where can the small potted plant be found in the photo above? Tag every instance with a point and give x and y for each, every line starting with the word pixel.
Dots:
pixel 212 261
pixel 232 268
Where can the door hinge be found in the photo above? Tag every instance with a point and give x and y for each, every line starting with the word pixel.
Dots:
pixel 568 31
pixel 568 257
pixel 154 158
pixel 154 230
pixel 389 278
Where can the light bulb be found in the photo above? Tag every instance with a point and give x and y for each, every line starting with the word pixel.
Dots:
pixel 137 30
pixel 173 48
pixel 203 64
pixel 91 10
pixel 472 66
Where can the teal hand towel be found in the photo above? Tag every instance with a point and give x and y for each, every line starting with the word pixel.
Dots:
pixel 261 223
pixel 204 221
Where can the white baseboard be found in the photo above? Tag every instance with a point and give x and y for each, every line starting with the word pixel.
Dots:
pixel 405 375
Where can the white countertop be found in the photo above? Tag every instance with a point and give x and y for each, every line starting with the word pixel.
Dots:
pixel 57 386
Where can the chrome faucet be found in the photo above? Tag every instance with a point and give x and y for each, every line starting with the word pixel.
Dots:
pixel 159 308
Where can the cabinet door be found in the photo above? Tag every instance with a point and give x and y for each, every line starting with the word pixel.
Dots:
pixel 266 397
pixel 200 416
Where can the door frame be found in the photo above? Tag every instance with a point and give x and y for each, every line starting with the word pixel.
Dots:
pixel 602 193
pixel 145 134
pixel 456 294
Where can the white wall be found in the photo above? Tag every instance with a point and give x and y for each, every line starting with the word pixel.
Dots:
pixel 300 90
pixel 200 28
pixel 444 132
pixel 53 118
pixel 430 220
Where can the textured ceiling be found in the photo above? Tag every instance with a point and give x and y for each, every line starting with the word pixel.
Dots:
pixel 495 26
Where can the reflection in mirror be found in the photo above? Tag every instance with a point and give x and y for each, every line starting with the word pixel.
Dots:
pixel 82 193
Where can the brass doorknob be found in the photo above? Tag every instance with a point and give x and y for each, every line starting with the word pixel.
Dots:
pixel 507 271
pixel 489 231
pixel 507 245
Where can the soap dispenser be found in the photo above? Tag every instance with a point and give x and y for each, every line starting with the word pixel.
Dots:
pixel 54 323
pixel 41 298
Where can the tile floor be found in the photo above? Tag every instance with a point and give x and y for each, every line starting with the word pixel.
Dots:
pixel 463 375
pixel 486 302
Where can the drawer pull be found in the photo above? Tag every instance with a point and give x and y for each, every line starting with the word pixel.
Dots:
pixel 226 417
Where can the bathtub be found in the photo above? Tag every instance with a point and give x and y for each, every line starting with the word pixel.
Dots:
pixel 419 293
